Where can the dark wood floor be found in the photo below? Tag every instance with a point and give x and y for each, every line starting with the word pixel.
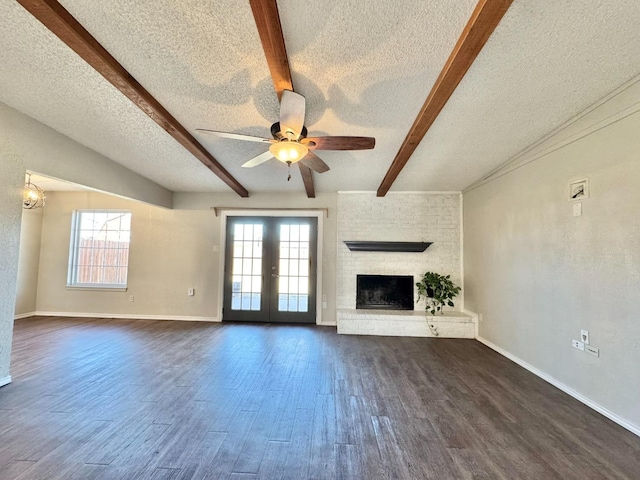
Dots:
pixel 100 399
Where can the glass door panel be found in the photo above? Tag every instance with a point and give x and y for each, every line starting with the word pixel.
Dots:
pixel 270 269
pixel 244 289
pixel 247 266
pixel 294 292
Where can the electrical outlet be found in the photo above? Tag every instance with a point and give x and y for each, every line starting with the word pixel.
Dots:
pixel 131 298
pixel 592 350
pixel 577 344
pixel 584 336
pixel 191 292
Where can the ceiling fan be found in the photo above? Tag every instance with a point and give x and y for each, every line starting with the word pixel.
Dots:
pixel 290 143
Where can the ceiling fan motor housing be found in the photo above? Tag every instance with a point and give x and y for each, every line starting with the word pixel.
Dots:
pixel 278 134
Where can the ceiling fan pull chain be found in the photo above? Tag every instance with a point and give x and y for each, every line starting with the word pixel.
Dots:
pixel 289 167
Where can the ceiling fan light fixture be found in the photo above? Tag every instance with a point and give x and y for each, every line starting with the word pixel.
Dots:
pixel 288 152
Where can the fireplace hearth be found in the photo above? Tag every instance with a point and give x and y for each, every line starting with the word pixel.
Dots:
pixel 385 292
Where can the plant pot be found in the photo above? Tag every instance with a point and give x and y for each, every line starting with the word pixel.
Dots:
pixel 430 292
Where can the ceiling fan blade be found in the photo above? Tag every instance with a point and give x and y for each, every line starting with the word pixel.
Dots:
pixel 255 161
pixel 292 109
pixel 307 179
pixel 235 136
pixel 315 163
pixel 339 143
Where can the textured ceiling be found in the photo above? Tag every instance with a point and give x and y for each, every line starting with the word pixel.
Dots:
pixel 364 71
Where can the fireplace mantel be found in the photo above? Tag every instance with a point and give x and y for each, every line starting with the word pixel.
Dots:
pixel 375 246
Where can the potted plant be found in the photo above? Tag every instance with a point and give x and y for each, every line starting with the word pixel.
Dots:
pixel 438 291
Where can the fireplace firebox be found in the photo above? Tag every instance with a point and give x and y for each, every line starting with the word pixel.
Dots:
pixel 384 292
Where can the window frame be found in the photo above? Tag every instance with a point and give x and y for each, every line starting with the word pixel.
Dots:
pixel 74 248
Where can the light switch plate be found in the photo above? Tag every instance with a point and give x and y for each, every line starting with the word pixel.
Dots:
pixel 577 209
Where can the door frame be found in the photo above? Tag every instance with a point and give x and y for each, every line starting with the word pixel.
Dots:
pixel 271 213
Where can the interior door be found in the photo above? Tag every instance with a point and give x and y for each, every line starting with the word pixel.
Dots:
pixel 270 269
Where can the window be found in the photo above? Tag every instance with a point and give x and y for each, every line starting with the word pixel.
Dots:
pixel 99 251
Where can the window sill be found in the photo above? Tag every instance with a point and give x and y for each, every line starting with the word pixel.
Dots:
pixel 99 288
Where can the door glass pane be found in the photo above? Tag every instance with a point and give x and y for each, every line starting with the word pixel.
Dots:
pixel 284 266
pixel 293 285
pixel 235 301
pixel 246 301
pixel 295 233
pixel 238 232
pixel 257 266
pixel 284 233
pixel 237 266
pixel 293 303
pixel 284 284
pixel 294 267
pixel 304 269
pixel 247 267
pixel 283 302
pixel 303 302
pixel 303 285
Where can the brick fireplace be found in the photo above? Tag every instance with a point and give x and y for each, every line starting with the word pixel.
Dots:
pixel 399 217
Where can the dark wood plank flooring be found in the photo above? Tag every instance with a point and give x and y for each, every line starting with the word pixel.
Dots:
pixel 118 399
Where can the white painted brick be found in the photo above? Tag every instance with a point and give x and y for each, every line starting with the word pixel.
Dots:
pixel 404 217
pixel 411 324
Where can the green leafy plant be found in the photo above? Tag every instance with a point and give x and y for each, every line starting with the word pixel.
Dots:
pixel 438 291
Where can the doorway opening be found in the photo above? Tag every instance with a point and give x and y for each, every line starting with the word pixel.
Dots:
pixel 271 269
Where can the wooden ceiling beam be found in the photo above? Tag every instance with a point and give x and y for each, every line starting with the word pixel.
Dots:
pixel 61 23
pixel 267 18
pixel 481 25
pixel 265 13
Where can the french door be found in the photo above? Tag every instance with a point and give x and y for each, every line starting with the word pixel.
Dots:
pixel 270 269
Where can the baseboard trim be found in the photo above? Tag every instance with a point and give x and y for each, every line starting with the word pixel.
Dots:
pixel 568 390
pixel 128 316
pixel 24 315
pixel 5 380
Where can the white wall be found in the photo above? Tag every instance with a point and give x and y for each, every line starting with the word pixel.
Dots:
pixel 171 251
pixel 199 201
pixel 29 261
pixel 11 184
pixel 400 217
pixel 40 149
pixel 29 145
pixel 538 274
